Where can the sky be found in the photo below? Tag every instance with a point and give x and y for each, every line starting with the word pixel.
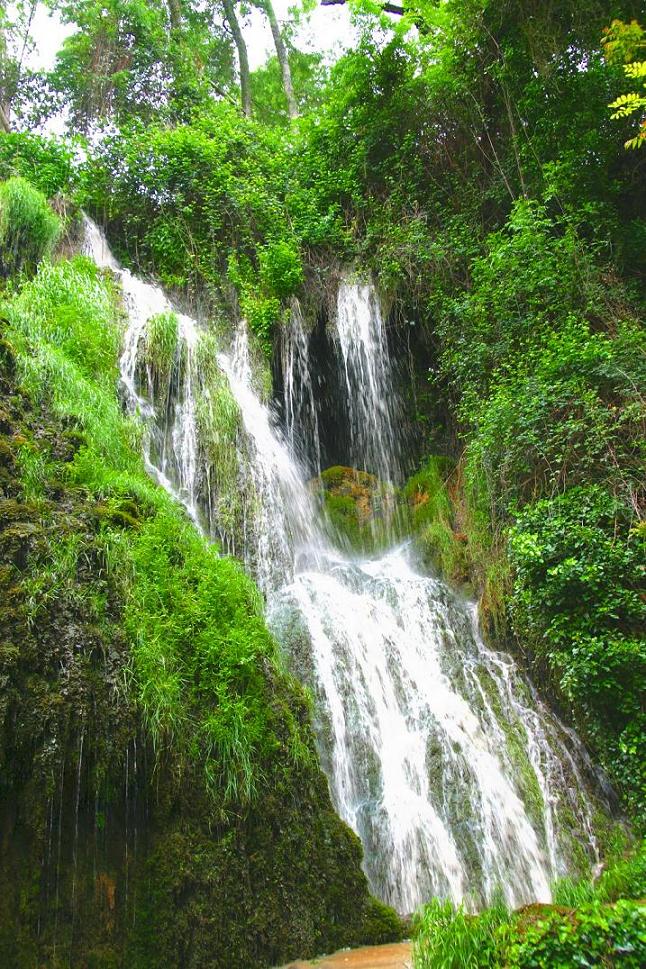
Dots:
pixel 328 30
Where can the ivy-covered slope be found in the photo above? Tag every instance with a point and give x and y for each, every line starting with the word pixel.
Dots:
pixel 162 803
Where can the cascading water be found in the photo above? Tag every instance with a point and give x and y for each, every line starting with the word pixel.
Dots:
pixel 286 536
pixel 458 780
pixel 170 441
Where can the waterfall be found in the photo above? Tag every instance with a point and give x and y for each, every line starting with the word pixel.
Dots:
pixel 371 403
pixel 301 414
pixel 170 440
pixel 286 536
pixel 439 754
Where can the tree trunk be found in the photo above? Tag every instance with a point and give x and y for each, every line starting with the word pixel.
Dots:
pixel 174 14
pixel 283 59
pixel 5 103
pixel 243 60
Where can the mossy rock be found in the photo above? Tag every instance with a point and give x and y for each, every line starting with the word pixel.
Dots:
pixel 383 924
pixel 430 508
pixel 151 869
pixel 361 510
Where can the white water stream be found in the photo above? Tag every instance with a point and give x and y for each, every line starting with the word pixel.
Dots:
pixel 458 780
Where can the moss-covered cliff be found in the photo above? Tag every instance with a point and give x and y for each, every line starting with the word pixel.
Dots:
pixel 162 804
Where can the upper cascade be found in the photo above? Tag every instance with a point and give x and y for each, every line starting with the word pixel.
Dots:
pixel 439 753
pixel 372 405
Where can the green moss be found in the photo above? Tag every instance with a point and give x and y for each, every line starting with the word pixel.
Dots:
pixel 432 513
pixel 362 512
pixel 383 924
pixel 145 723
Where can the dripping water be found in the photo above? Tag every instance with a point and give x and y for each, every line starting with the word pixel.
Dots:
pixel 77 801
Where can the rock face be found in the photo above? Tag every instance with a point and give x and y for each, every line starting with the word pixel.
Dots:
pixel 112 855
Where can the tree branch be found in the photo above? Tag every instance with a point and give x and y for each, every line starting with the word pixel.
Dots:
pixel 387 7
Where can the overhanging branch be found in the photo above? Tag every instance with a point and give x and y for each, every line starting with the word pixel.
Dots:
pixel 388 7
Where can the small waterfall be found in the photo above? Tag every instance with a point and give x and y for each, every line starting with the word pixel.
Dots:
pixel 371 402
pixel 301 414
pixel 286 536
pixel 459 781
pixel 170 446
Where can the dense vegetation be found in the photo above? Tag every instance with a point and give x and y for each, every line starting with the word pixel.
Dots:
pixel 590 924
pixel 473 166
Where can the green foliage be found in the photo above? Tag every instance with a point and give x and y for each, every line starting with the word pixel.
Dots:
pixel 29 229
pixel 448 938
pixel 623 877
pixel 267 91
pixel 126 60
pixel 533 275
pixel 579 563
pixel 621 43
pixel 281 271
pixel 47 163
pixel 594 935
pixel 581 928
pixel 66 324
pixel 567 413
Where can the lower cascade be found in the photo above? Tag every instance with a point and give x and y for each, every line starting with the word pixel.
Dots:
pixel 439 754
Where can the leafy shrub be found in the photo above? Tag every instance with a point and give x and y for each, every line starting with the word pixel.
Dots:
pixel 29 229
pixel 592 935
pixel 578 561
pixel 566 414
pixel 281 270
pixel 47 163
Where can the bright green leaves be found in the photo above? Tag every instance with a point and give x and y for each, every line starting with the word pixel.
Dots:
pixel 622 44
pixel 580 571
pixel 199 203
pixel 262 292
pixel 29 229
pixel 281 270
pixel 47 163
pixel 603 927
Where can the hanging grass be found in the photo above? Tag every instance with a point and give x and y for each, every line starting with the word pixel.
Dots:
pixel 160 346
pixel 202 662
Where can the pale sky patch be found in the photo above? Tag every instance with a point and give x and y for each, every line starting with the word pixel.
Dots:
pixel 328 30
